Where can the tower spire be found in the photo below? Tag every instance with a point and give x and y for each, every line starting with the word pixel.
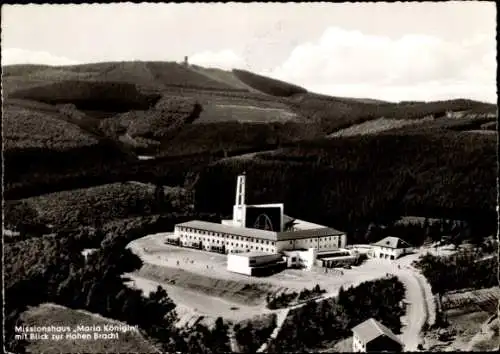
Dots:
pixel 240 190
pixel 239 209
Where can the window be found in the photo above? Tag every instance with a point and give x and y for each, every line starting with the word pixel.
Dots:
pixel 290 242
pixel 267 242
pixel 272 243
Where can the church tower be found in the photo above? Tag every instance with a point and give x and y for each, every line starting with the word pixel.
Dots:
pixel 239 208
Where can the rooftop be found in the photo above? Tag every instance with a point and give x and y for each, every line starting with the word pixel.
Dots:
pixel 254 254
pixel 371 329
pixel 228 229
pixel 299 234
pixel 300 224
pixel 257 233
pixel 392 242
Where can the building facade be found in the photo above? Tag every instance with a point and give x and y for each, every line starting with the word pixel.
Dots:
pixel 229 239
pixel 390 248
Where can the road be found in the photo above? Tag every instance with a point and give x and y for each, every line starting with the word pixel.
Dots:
pixel 418 297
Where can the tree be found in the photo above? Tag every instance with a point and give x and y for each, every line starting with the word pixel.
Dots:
pixel 219 337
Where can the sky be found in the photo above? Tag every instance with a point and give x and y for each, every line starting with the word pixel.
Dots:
pixel 389 51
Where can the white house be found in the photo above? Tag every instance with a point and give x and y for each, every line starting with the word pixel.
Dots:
pixel 373 336
pixel 390 248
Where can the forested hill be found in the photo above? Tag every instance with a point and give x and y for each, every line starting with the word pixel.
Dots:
pixel 347 181
pixel 76 126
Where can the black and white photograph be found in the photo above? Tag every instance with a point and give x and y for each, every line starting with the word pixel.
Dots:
pixel 254 177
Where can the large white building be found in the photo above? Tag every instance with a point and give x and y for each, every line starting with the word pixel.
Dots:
pixel 259 229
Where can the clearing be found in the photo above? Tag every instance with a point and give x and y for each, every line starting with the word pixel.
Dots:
pixel 376 126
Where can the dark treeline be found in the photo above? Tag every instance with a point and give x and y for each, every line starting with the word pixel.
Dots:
pixel 90 95
pixel 251 334
pixel 316 324
pixel 31 172
pixel 472 122
pixel 234 137
pixel 334 114
pixel 23 218
pixel 51 268
pixel 463 270
pixel 351 182
pixel 416 234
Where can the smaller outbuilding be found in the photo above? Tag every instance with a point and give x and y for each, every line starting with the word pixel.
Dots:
pixel 390 248
pixel 255 263
pixel 373 336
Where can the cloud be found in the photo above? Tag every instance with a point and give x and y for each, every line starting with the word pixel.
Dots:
pixel 224 59
pixel 22 56
pixel 410 67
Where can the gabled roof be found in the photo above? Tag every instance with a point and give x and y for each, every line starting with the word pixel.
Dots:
pixel 372 329
pixel 392 242
pixel 311 233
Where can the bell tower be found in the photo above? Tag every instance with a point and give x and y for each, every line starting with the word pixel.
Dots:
pixel 239 208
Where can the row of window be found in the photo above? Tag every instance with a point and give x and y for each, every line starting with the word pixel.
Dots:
pixel 232 237
pixel 327 246
pixel 248 239
pixel 320 240
pixel 242 250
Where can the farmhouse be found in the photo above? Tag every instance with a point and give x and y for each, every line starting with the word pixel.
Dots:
pixel 256 231
pixel 390 248
pixel 373 336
